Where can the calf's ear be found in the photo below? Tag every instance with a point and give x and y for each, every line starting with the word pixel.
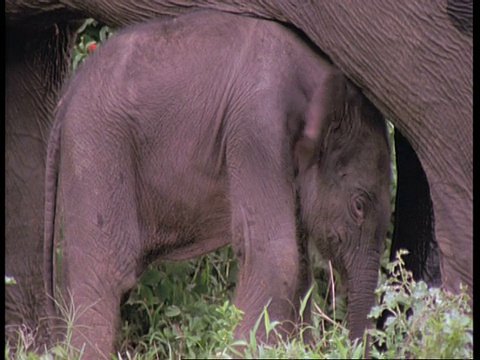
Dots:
pixel 324 112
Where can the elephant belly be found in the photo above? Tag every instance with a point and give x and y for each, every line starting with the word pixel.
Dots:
pixel 185 216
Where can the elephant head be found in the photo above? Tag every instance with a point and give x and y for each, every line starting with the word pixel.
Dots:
pixel 348 216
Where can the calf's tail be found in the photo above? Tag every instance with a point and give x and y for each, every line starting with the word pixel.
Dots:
pixel 51 181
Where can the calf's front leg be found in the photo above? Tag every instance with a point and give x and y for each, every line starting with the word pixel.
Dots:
pixel 264 233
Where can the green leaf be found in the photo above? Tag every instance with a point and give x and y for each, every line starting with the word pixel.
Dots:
pixel 85 24
pixel 147 296
pixel 304 301
pixel 151 277
pixel 78 57
pixel 376 312
pixel 104 34
pixel 9 280
pixel 172 311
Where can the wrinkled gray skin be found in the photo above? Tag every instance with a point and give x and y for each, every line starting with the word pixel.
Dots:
pixel 414 62
pixel 178 137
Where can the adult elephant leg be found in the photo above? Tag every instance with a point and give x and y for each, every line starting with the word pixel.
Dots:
pixel 263 224
pixel 36 62
pixel 452 198
pixel 454 237
pixel 414 221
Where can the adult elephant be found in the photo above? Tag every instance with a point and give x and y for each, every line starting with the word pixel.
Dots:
pixel 412 59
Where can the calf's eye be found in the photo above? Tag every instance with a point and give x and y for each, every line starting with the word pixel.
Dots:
pixel 358 207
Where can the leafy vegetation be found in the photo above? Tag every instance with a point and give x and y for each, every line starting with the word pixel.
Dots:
pixel 90 35
pixel 184 309
pixel 186 313
pixel 424 323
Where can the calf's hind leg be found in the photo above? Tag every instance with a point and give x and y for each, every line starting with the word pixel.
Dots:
pixel 102 241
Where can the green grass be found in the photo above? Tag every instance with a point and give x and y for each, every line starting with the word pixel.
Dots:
pixel 187 313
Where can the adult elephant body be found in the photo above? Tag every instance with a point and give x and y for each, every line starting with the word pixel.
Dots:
pixel 412 59
pixel 213 128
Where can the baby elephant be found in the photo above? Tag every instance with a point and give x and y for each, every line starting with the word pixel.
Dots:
pixel 179 137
